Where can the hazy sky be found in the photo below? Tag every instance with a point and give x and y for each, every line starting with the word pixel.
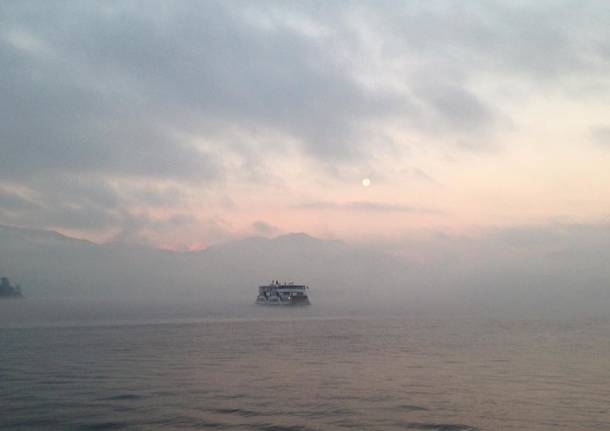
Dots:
pixel 187 123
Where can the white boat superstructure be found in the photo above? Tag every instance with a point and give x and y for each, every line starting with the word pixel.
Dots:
pixel 278 293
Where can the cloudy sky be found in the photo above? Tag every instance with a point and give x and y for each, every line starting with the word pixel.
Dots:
pixel 181 124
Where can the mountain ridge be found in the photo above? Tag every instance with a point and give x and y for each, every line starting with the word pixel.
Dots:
pixel 65 266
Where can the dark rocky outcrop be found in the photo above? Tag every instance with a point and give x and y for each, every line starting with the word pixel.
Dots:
pixel 7 290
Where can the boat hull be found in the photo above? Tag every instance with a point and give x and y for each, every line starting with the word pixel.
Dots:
pixel 283 294
pixel 292 302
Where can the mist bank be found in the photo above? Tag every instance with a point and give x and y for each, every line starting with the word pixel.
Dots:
pixel 50 265
pixel 558 270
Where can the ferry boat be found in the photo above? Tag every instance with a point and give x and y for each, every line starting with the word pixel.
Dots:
pixel 278 293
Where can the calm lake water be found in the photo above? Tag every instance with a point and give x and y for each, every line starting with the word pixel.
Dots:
pixel 278 370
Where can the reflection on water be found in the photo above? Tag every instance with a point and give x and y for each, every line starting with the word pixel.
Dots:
pixel 273 372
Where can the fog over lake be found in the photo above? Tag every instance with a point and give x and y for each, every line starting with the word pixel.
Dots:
pixel 435 172
pixel 557 272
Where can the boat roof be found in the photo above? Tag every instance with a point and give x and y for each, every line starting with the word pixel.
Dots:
pixel 284 285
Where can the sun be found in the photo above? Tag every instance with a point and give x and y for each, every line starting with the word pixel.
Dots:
pixel 366 182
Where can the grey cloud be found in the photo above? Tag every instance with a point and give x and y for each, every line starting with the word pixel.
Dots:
pixel 119 78
pixel 60 215
pixel 68 111
pixel 450 45
pixel 200 67
pixel 367 206
pixel 538 40
pixel 264 228
pixel 456 108
pixel 420 175
pixel 155 196
pixel 85 218
pixel 54 129
pixel 84 204
pixel 601 136
pixel 121 88
pixel 71 190
pixel 10 202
